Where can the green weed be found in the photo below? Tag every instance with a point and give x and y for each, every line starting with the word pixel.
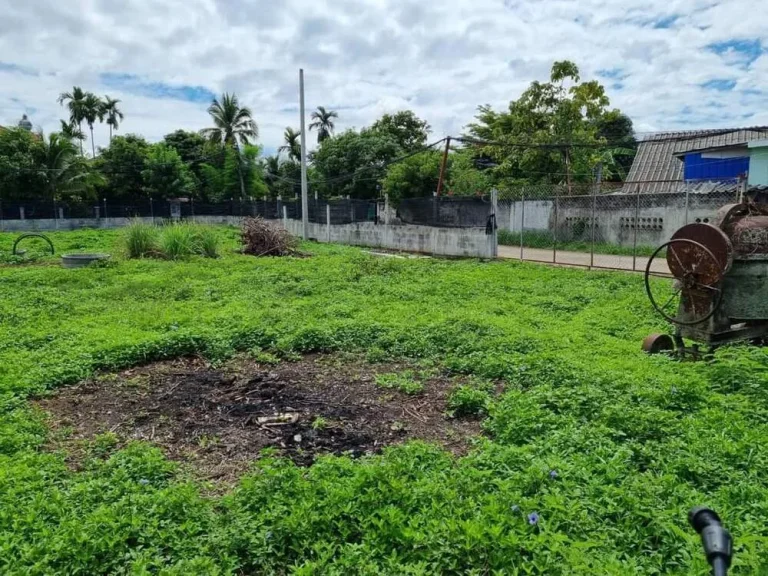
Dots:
pixel 405 382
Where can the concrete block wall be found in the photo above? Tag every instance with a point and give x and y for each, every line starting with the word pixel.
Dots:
pixel 659 216
pixel 466 242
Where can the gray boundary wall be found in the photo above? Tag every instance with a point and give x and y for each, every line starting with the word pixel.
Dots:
pixel 466 242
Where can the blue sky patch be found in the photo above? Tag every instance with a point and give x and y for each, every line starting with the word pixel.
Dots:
pixel 720 84
pixel 135 85
pixel 750 50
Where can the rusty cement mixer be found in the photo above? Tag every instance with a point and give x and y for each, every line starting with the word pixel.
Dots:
pixel 720 293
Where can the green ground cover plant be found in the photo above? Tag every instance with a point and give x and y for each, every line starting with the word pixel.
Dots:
pixel 593 452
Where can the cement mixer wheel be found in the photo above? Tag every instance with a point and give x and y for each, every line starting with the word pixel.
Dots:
pixel 697 272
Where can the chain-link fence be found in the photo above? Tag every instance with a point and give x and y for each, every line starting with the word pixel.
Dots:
pixel 606 227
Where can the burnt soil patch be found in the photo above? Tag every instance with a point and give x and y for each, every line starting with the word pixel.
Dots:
pixel 220 419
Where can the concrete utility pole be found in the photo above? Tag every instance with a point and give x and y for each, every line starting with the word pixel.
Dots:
pixel 304 193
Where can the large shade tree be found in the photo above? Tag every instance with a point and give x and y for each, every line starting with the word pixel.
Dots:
pixel 404 127
pixel 555 133
pixel 322 121
pixel 233 126
pixel 112 113
pixel 75 102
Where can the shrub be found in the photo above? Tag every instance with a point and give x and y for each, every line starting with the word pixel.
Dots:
pixel 140 239
pixel 262 238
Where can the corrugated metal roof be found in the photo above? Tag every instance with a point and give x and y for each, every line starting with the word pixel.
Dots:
pixel 656 160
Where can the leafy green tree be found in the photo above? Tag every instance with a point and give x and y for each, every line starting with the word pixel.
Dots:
pixel 20 176
pixel 253 170
pixel 322 121
pixel 93 109
pixel 353 162
pixel 233 126
pixel 67 175
pixel 408 130
pixel 165 175
pixel 415 176
pixel 616 129
pixel 122 163
pixel 551 134
pixel 113 114
pixel 464 178
pixel 292 146
pixel 271 171
pixel 75 101
pixel 195 151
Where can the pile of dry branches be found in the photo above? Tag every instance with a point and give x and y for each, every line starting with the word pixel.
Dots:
pixel 262 238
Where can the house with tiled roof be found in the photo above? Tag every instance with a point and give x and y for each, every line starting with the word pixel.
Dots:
pixel 701 160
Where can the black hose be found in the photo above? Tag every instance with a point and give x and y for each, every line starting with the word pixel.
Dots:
pixel 719 566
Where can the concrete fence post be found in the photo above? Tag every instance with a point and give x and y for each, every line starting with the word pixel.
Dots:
pixel 285 217
pixel 687 192
pixel 594 225
pixel 554 229
pixel 328 221
pixel 61 213
pixel 636 223
pixel 386 209
pixel 522 222
pixel 495 228
pixel 21 213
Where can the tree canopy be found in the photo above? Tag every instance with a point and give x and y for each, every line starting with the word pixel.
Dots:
pixel 553 133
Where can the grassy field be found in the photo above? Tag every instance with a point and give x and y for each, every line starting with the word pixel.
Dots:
pixel 609 447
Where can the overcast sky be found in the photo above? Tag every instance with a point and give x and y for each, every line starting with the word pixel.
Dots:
pixel 669 64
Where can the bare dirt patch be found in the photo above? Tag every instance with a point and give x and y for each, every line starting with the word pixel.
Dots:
pixel 220 419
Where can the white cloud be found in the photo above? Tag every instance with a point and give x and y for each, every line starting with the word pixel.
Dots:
pixel 365 57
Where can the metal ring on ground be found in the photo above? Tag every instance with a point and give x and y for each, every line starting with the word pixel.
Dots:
pixel 32 235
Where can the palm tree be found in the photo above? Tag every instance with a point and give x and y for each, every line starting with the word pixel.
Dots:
pixel 323 123
pixel 292 144
pixel 113 113
pixel 71 131
pixel 233 125
pixel 62 168
pixel 76 105
pixel 93 109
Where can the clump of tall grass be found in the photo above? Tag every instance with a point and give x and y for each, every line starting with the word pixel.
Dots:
pixel 178 241
pixel 207 241
pixel 174 242
pixel 140 239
